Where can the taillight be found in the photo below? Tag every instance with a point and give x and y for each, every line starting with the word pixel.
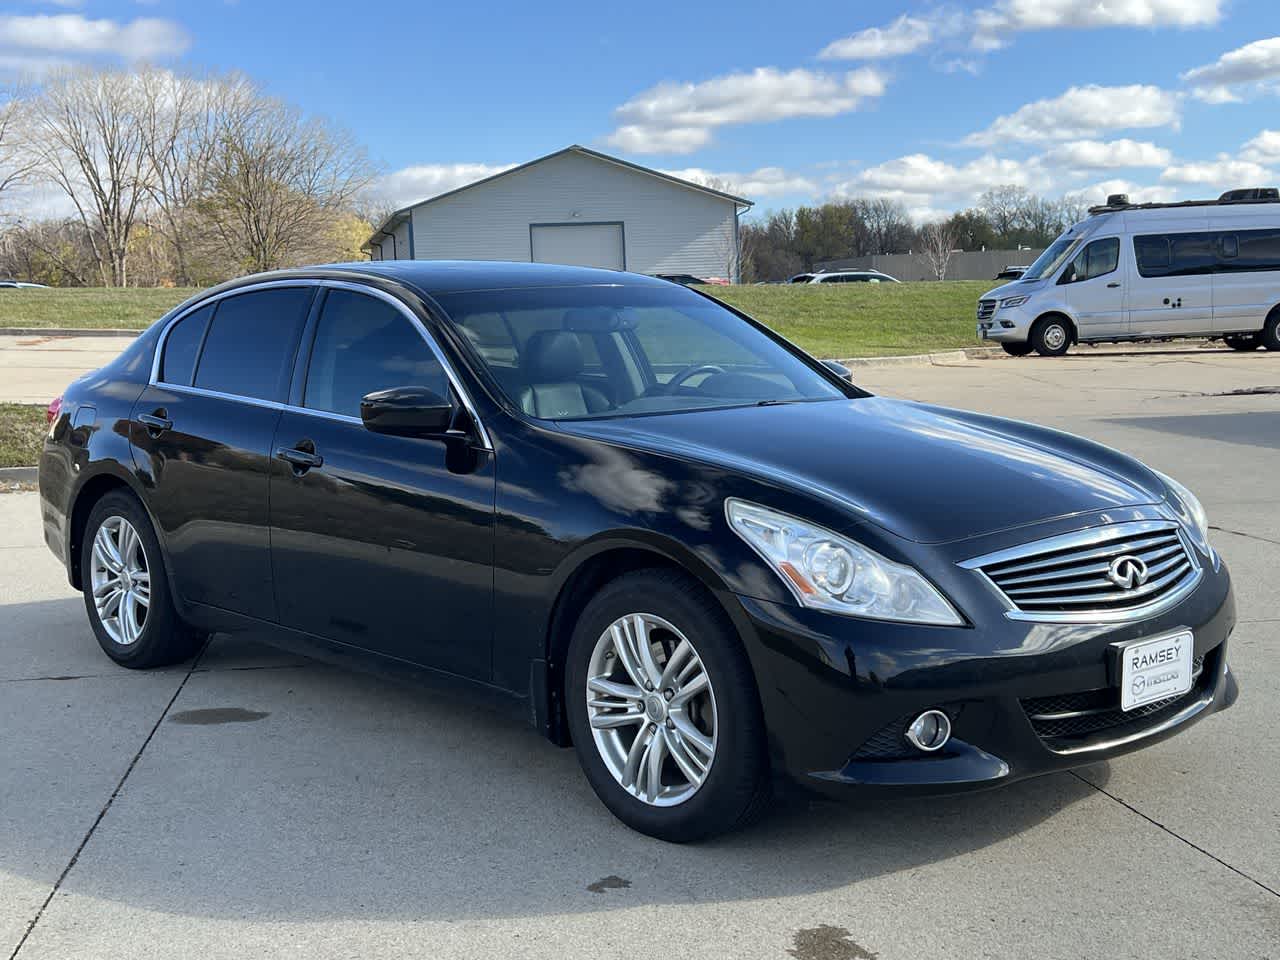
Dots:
pixel 51 412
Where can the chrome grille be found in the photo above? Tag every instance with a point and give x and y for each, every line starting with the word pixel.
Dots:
pixel 986 309
pixel 1066 578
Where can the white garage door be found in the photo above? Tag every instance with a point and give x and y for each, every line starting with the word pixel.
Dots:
pixel 579 244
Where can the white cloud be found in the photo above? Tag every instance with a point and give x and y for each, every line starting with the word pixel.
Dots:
pixel 71 33
pixel 411 184
pixel 681 117
pixel 764 182
pixel 1110 155
pixel 1224 173
pixel 1097 193
pixel 905 35
pixel 1011 16
pixel 1083 112
pixel 1264 148
pixel 1254 63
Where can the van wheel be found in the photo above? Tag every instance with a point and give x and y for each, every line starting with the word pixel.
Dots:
pixel 1270 334
pixel 126 591
pixel 1243 341
pixel 1051 336
pixel 1016 349
pixel 663 709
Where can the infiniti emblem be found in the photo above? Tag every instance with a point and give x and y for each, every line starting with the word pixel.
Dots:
pixel 1127 572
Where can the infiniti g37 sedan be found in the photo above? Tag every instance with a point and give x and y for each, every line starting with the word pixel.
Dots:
pixel 643 521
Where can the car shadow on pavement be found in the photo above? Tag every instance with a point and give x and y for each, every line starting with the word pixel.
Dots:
pixel 287 789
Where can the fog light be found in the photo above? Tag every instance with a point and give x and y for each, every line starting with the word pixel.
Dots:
pixel 930 731
pixel 1007 324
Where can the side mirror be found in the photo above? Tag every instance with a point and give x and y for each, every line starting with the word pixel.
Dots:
pixel 839 369
pixel 406 412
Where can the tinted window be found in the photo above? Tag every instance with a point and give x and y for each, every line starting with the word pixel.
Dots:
pixel 663 349
pixel 251 343
pixel 364 344
pixel 183 345
pixel 1258 250
pixel 1174 254
pixel 1098 258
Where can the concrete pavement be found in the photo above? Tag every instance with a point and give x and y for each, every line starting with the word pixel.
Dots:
pixel 256 804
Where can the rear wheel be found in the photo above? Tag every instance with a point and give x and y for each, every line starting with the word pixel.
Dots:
pixel 663 709
pixel 1051 336
pixel 126 592
pixel 1270 335
pixel 1017 349
pixel 1243 341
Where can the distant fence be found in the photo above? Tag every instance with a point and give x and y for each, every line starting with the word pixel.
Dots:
pixel 975 265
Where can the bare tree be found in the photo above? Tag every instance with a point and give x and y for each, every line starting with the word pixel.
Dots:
pixel 1006 207
pixel 278 181
pixel 937 244
pixel 15 163
pixel 86 132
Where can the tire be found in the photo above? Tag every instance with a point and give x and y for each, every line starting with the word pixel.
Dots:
pixel 1243 341
pixel 1270 336
pixel 1051 335
pixel 145 630
pixel 699 792
pixel 1017 349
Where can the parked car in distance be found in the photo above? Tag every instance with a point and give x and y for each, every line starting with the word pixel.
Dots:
pixel 801 278
pixel 1011 273
pixel 853 276
pixel 1151 271
pixel 624 511
pixel 22 285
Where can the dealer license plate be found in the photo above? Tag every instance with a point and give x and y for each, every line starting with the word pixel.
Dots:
pixel 1155 669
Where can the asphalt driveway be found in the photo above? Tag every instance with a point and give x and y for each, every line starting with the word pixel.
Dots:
pixel 256 804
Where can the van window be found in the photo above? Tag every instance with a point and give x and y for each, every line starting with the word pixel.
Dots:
pixel 251 343
pixel 1174 254
pixel 1097 259
pixel 1258 250
pixel 1048 262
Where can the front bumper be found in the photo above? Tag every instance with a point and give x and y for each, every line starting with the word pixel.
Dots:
pixel 1006 325
pixel 838 692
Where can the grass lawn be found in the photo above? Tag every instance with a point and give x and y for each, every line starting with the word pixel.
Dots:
pixel 836 320
pixel 22 427
pixel 88 307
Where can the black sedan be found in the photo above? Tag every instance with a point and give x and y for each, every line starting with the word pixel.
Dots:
pixel 641 520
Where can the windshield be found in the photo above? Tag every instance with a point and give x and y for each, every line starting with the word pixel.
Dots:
pixel 584 352
pixel 1048 262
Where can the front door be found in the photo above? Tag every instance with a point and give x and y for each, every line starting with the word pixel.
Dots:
pixel 1094 282
pixel 383 543
pixel 201 436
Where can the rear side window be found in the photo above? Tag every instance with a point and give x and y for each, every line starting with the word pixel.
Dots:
pixel 1175 254
pixel 182 346
pixel 364 344
pixel 252 340
pixel 1258 250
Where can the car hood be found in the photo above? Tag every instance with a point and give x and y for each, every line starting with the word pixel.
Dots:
pixel 1013 289
pixel 924 473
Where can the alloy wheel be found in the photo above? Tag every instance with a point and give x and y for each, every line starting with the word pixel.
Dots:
pixel 121 580
pixel 652 709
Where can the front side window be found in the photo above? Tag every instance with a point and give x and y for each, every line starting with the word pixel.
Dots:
pixel 362 345
pixel 251 343
pixel 182 346
pixel 596 351
pixel 1098 258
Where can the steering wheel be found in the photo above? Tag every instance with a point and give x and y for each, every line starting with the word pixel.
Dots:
pixel 692 370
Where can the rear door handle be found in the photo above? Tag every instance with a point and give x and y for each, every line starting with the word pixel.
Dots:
pixel 301 460
pixel 155 423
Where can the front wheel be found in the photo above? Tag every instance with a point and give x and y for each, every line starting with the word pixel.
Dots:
pixel 1051 336
pixel 126 592
pixel 1016 349
pixel 663 709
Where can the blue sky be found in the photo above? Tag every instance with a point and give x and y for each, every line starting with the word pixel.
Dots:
pixel 926 103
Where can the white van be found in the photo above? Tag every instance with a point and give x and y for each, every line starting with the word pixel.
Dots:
pixel 1153 271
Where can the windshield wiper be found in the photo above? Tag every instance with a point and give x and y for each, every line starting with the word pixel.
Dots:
pixel 774 403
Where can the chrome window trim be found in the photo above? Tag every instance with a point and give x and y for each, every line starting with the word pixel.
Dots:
pixel 1087 538
pixel 332 284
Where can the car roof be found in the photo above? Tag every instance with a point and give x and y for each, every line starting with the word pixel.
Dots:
pixel 434 277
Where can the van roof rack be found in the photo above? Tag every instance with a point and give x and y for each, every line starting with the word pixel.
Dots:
pixel 1247 195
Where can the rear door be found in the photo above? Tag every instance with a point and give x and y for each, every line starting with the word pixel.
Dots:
pixel 201 436
pixel 1094 288
pixel 1171 293
pixel 385 543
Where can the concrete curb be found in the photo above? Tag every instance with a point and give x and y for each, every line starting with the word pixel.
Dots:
pixel 917 359
pixel 64 332
pixel 18 474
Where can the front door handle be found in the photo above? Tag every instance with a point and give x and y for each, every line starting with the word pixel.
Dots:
pixel 1113 284
pixel 156 423
pixel 301 460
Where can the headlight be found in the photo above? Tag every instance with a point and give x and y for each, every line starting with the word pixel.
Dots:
pixel 829 572
pixel 1013 301
pixel 1193 511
